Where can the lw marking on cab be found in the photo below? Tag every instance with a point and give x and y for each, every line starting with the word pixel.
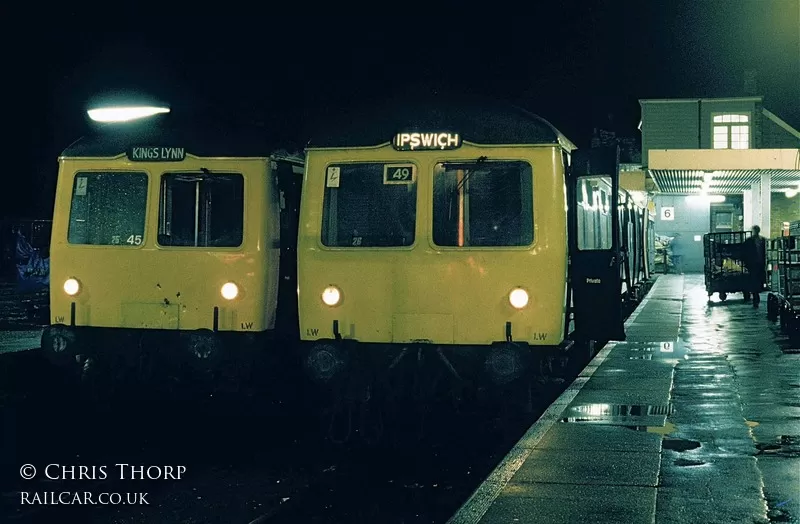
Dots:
pixel 312 332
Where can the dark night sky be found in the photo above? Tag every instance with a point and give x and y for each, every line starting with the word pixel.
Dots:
pixel 572 62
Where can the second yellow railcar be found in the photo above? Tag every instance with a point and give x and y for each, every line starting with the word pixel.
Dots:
pixel 447 235
pixel 461 234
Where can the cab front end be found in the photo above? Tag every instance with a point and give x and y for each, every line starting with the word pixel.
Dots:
pixel 456 256
pixel 163 263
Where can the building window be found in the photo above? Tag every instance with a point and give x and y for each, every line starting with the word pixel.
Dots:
pixel 731 131
pixel 723 220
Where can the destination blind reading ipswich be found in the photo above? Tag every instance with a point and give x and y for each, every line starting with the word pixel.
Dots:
pixel 157 154
pixel 426 141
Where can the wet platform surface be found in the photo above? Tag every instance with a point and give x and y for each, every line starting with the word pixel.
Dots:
pixel 694 418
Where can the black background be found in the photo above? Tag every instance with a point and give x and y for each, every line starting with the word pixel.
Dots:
pixel 579 64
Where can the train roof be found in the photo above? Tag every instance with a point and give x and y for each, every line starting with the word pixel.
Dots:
pixel 198 139
pixel 476 120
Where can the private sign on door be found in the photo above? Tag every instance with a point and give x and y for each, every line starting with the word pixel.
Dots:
pixel 667 213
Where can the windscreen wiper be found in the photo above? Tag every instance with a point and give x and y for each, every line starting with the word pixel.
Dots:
pixel 469 169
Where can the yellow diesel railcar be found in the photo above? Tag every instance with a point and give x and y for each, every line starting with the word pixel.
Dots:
pixel 168 235
pixel 460 234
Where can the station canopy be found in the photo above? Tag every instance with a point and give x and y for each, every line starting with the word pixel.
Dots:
pixel 723 171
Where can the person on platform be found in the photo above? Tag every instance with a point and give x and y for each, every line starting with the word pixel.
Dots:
pixel 754 258
pixel 677 248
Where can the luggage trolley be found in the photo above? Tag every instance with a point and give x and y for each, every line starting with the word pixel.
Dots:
pixel 724 271
pixel 783 301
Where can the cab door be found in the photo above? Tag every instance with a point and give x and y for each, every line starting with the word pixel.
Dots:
pixel 594 244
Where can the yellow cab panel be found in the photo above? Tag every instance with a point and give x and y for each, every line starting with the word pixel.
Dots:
pixel 151 244
pixel 433 285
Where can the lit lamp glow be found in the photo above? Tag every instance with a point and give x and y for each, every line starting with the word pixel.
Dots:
pixel 124 114
pixel 331 296
pixel 703 198
pixel 71 287
pixel 518 298
pixel 229 291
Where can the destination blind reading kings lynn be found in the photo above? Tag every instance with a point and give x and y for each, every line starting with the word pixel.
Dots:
pixel 157 154
pixel 423 141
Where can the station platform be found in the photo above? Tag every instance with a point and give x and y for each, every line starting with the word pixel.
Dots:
pixel 695 418
pixel 20 340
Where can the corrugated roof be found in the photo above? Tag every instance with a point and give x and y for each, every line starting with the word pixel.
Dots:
pixel 681 181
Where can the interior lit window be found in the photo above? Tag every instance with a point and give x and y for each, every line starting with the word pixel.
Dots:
pixel 731 131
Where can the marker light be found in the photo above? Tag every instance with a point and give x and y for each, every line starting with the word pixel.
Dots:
pixel 71 287
pixel 518 298
pixel 124 114
pixel 229 291
pixel 331 296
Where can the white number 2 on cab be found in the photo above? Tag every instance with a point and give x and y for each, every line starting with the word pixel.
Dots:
pixel 135 240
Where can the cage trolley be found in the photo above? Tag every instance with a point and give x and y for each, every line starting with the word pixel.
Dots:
pixel 724 270
pixel 783 301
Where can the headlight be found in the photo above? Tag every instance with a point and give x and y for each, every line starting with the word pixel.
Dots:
pixel 229 291
pixel 331 295
pixel 71 287
pixel 518 298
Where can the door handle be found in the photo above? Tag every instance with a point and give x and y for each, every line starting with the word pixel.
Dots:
pixel 613 260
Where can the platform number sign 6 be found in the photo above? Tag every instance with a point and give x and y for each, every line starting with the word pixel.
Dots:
pixel 398 174
pixel 667 213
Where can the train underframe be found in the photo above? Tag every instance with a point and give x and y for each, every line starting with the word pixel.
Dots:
pixel 363 383
pixel 356 378
pixel 121 359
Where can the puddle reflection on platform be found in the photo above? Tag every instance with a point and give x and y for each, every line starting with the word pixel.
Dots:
pixel 663 350
pixel 613 413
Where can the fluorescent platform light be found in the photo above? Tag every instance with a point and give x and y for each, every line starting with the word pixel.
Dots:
pixel 124 114
pixel 714 199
